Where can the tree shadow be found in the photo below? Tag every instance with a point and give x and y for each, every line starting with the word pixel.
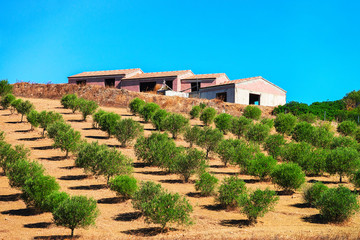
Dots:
pixel 22 212
pixel 111 200
pixel 324 182
pixel 57 237
pixel 251 180
pixel 73 177
pixel 147 232
pixel 150 129
pixel 54 158
pixel 15 122
pixel 67 113
pixel 214 207
pixel 127 217
pixel 217 166
pixel 89 187
pixel 30 139
pixel 301 205
pixel 92 128
pixel 316 218
pixel 75 120
pixel 140 165
pixel 68 167
pixel 159 173
pixel 284 193
pixel 194 194
pixel 10 198
pixel 225 173
pixel 23 131
pixel 97 137
pixel 173 181
pixel 6 114
pixel 127 115
pixel 235 223
pixel 43 148
pixel 38 225
pixel 113 146
pixel 60 108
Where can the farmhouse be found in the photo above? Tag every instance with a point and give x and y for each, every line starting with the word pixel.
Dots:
pixel 254 90
pixel 195 82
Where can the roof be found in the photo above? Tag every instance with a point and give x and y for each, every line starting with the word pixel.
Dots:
pixel 205 76
pixel 159 74
pixel 106 73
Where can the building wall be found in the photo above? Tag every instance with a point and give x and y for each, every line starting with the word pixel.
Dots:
pixel 134 85
pixel 266 99
pixel 210 93
pixel 186 84
pixel 96 80
pixel 262 86
pixel 221 79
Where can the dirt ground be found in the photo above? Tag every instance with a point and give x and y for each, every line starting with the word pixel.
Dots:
pixel 118 220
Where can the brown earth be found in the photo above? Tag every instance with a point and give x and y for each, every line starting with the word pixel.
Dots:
pixel 118 220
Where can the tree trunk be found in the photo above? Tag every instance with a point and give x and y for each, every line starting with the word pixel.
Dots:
pixel 72 233
pixel 43 133
pixel 67 154
pixel 207 154
pixel 340 178
pixel 22 115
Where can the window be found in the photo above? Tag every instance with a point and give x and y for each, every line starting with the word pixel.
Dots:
pixel 169 84
pixel 147 86
pixel 222 96
pixel 110 82
pixel 195 86
pixel 254 99
pixel 81 82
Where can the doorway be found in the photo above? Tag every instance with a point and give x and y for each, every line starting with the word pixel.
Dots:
pixel 147 86
pixel 222 96
pixel 254 99
pixel 110 82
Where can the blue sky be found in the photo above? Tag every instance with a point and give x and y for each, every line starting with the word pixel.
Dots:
pixel 309 48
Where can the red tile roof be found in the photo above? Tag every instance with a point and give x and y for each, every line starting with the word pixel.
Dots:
pixel 106 73
pixel 159 74
pixel 205 76
pixel 242 80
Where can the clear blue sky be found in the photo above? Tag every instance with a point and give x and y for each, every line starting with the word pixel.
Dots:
pixel 309 48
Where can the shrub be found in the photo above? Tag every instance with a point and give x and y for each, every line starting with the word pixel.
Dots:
pixel 148 111
pixel 337 204
pixel 195 112
pixel 302 132
pixel 261 166
pixel 252 112
pixel 48 118
pixel 231 191
pixel 192 135
pixel 21 170
pixel 167 208
pixel 124 186
pixel 146 192
pixel 273 144
pixel 206 184
pixel 14 105
pixel 87 156
pixel 308 117
pixel 176 124
pixel 227 150
pixel 342 161
pixel 97 117
pixel 108 121
pixel 9 155
pixel 2 136
pixel 36 190
pixel 288 176
pixel 208 115
pixel 74 103
pixel 321 137
pixel 53 200
pixel 68 100
pixel 284 123
pixel 357 134
pixel 126 130
pixel 257 132
pixel 88 108
pixel 24 107
pixel 76 212
pixel 5 88
pixel 258 203
pixel 244 154
pixel 223 122
pixel 158 120
pixel 347 128
pixel 299 153
pixel 240 126
pixel 268 121
pixel 209 139
pixel 7 100
pixel 355 178
pixel 316 163
pixel 189 163
pixel 202 106
pixel 343 141
pixel 136 105
pixel 33 119
pixel 312 194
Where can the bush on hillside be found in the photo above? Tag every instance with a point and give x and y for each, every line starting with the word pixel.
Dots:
pixel 302 132
pixel 343 141
pixel 145 193
pixel 88 107
pixel 288 176
pixel 108 121
pixel 240 125
pixel 227 150
pixel 24 107
pixel 252 112
pixel 357 134
pixel 14 105
pixel 347 128
pixel 68 100
pixel 192 134
pixel 273 144
pixel 124 186
pixel 244 154
pixel 268 121
pixel 188 163
pixel 5 88
pixel 321 137
pixel 261 166
pixel 313 193
pixel 223 122
pixel 7 100
pixel 48 118
pixel 208 115
pixel 307 117
pixel 158 120
pixel 33 118
pixel 206 184
pixel 257 132
pixel 209 139
pixel 136 105
pixel 148 111
pixel 176 123
pixel 126 130
pixel 230 191
pixel 285 123
pixel 195 112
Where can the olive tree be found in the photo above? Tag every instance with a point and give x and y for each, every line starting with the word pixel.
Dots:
pixel 136 105
pixel 285 123
pixel 33 118
pixel 209 139
pixel 226 150
pixel 48 118
pixel 273 144
pixel 192 134
pixel 288 176
pixel 88 107
pixel 158 119
pixel 208 115
pixel 176 124
pixel 240 125
pixel 189 163
pixel 108 121
pixel 7 100
pixel 24 107
pixel 5 87
pixel 126 130
pixel 252 112
pixel 223 122
pixel 148 111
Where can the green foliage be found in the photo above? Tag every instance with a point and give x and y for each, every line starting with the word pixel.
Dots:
pixel 24 107
pixel 7 100
pixel 258 203
pixel 227 150
pixel 14 105
pixel 302 132
pixel 209 139
pixel 35 190
pixel 158 120
pixel 2 136
pixel 5 88
pixel 347 128
pixel 344 141
pixel 223 122
pixel 126 130
pixel 97 117
pixel 206 184
pixel 68 100
pixel 48 118
pixel 252 112
pixel 321 137
pixel 192 134
pixel 244 154
pixel 146 192
pixel 76 212
pixel 261 166
pixel 300 153
pixel 53 200
pixel 124 185
pixel 148 111
pixel 21 170
pixel 257 132
pixel 240 126
pixel 313 193
pixel 352 99
pixel 268 121
pixel 9 154
pixel 88 108
pixel 342 161
pixel 175 124
pixel 202 106
pixel 284 123
pixel 316 163
pixel 188 163
pixel 337 204
pixel 231 191
pixel 355 178
pixel 273 144
pixel 195 112
pixel 208 115
pixel 288 176
pixel 307 117
pixel 88 154
pixel 108 121
pixel 357 134
pixel 136 105
pixel 33 118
